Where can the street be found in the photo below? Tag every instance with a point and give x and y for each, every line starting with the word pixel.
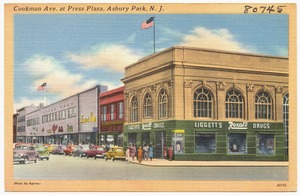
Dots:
pixel 76 168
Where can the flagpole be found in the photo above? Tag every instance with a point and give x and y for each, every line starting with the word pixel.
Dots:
pixel 154 34
pixel 46 95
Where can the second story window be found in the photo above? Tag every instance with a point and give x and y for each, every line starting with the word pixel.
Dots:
pixel 134 110
pixel 147 106
pixel 234 104
pixel 163 104
pixel 263 106
pixel 202 103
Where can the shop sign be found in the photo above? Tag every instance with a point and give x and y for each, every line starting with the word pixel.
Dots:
pixel 110 138
pixel 158 125
pixel 146 126
pixel 261 125
pixel 69 128
pixel 133 127
pixel 238 125
pixel 89 119
pixel 209 125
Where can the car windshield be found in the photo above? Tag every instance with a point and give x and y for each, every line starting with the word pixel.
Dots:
pixel 40 149
pixel 21 147
pixel 100 149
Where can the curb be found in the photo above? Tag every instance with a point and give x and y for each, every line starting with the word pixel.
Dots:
pixel 211 164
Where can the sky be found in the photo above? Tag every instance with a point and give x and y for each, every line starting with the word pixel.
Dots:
pixel 75 52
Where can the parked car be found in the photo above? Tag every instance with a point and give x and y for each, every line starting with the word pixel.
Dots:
pixel 59 149
pixel 96 152
pixel 43 152
pixel 68 151
pixel 80 150
pixel 24 153
pixel 115 153
pixel 50 147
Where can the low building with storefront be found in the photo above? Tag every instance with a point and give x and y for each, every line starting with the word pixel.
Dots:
pixel 208 104
pixel 111 117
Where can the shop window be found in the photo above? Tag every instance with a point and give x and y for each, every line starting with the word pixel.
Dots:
pixel 265 144
pixel 147 106
pixel 234 104
pixel 237 143
pixel 205 143
pixel 263 106
pixel 120 110
pixel 163 104
pixel 134 110
pixel 203 103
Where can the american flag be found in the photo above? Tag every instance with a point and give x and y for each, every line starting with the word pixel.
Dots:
pixel 148 23
pixel 42 87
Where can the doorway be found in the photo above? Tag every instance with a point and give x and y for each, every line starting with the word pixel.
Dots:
pixel 160 142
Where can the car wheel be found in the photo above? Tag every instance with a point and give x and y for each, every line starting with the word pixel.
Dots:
pixel 95 157
pixel 48 158
pixel 25 160
pixel 65 154
pixel 36 159
pixel 80 155
pixel 87 157
pixel 112 159
pixel 105 157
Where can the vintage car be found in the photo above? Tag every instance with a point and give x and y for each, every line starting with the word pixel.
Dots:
pixel 68 151
pixel 24 153
pixel 96 152
pixel 59 149
pixel 114 153
pixel 80 150
pixel 50 147
pixel 43 152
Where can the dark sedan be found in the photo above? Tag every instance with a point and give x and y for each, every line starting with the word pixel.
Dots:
pixel 96 152
pixel 81 150
pixel 59 150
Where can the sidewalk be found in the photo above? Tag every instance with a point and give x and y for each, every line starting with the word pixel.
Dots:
pixel 174 163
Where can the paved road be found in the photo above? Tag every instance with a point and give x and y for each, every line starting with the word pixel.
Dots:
pixel 75 168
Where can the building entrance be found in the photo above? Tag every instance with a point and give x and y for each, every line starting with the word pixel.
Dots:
pixel 145 138
pixel 160 142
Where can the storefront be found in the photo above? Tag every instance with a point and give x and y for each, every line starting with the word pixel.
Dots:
pixel 211 140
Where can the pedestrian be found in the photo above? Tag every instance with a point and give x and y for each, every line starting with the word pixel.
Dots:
pixel 146 152
pixel 140 154
pixel 127 154
pixel 170 153
pixel 151 152
pixel 133 151
pixel 165 152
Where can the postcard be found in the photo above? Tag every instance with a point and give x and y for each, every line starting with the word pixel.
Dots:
pixel 150 97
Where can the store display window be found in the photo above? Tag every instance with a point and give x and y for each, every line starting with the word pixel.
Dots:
pixel 205 143
pixel 265 144
pixel 237 143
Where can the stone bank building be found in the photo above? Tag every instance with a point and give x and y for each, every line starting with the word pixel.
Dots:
pixel 208 104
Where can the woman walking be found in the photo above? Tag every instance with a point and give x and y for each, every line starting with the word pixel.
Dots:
pixel 151 152
pixel 140 154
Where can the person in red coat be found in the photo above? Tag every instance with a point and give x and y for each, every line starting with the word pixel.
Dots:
pixel 140 154
pixel 170 153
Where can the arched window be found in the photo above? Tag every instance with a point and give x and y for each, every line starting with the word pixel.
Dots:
pixel 263 106
pixel 234 104
pixel 147 106
pixel 134 110
pixel 163 104
pixel 203 103
pixel 286 121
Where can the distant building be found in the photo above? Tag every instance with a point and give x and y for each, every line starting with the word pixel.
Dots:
pixel 208 104
pixel 73 119
pixel 111 117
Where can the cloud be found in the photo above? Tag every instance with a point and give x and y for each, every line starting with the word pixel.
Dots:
pixel 27 102
pixel 111 57
pixel 220 39
pixel 59 80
